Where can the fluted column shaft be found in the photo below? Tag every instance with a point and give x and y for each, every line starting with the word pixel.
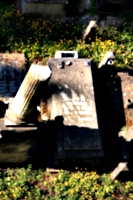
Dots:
pixel 21 106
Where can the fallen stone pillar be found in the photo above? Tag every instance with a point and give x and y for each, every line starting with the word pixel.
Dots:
pixel 23 103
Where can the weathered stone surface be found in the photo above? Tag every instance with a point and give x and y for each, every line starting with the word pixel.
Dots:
pixel 121 90
pixel 74 111
pixel 26 97
pixel 127 95
pixel 13 59
pixel 127 134
pixel 12 73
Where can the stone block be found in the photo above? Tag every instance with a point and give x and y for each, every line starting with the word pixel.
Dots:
pixel 127 96
pixel 73 108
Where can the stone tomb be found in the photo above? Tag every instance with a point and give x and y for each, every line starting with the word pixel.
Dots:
pixel 72 102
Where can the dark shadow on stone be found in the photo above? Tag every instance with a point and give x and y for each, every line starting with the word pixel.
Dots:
pixel 124 175
pixel 3 108
pixel 110 110
pixel 131 105
pixel 92 36
pixel 46 141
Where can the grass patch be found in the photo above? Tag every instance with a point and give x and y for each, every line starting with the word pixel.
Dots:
pixel 42 37
pixel 25 183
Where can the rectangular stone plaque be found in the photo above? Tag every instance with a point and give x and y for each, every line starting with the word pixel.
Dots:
pixel 73 108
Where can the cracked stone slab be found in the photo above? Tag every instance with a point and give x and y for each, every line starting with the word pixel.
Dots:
pixel 12 73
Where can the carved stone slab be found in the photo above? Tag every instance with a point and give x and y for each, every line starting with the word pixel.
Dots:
pixel 73 108
pixel 12 73
pixel 127 95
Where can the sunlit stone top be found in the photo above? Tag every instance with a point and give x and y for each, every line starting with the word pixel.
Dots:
pixel 40 72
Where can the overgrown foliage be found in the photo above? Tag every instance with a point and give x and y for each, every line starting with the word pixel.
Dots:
pixel 31 184
pixel 42 37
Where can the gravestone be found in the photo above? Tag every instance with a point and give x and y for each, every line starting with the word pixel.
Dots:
pixel 73 108
pixel 47 7
pixel 12 73
pixel 127 96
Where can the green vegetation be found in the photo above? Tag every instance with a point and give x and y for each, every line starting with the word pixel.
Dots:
pixel 42 37
pixel 32 184
pixel 123 128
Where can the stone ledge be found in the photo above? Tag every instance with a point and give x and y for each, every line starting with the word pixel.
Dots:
pixel 14 59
